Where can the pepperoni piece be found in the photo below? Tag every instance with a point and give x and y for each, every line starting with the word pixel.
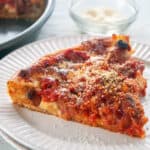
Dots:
pixel 49 83
pixel 34 97
pixel 131 67
pixel 24 74
pixel 31 94
pixel 49 62
pixel 123 45
pixel 98 46
pixel 50 95
pixel 49 92
pixel 75 56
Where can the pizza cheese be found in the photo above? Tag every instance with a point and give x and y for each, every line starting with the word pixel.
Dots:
pixel 96 83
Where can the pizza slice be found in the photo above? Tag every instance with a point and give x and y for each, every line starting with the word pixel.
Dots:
pixel 22 9
pixel 96 83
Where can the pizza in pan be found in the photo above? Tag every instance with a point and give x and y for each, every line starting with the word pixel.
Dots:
pixel 22 9
pixel 97 83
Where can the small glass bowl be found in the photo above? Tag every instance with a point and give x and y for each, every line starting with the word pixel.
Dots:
pixel 127 8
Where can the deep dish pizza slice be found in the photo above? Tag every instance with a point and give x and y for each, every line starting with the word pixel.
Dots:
pixel 96 83
pixel 22 9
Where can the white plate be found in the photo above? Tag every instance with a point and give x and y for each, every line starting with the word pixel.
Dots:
pixel 40 131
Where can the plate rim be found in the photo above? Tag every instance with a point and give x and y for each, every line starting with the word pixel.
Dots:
pixel 34 43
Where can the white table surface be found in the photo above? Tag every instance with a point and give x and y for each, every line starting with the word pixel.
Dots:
pixel 60 24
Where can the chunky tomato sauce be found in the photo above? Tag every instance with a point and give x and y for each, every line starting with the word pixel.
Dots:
pixel 98 81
